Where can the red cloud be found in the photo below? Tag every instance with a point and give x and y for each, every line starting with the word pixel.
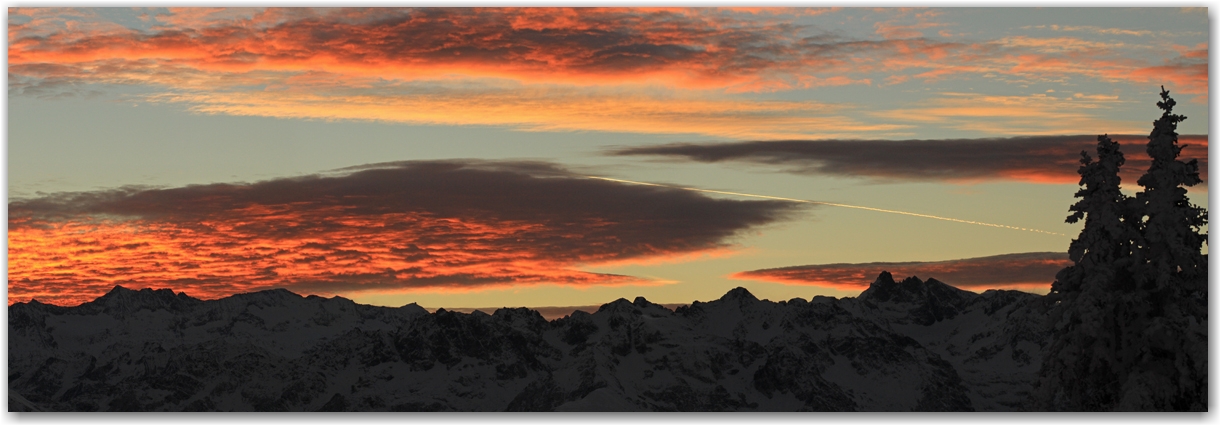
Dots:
pixel 386 228
pixel 690 47
pixel 737 50
pixel 1034 272
pixel 584 69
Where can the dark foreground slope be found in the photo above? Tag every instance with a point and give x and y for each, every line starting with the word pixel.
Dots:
pixel 909 345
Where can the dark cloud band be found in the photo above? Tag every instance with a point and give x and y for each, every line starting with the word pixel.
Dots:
pixel 1042 159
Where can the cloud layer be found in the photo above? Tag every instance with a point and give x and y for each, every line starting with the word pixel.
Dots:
pixel 739 50
pixel 385 227
pixel 695 47
pixel 1032 271
pixel 1037 159
pixel 631 63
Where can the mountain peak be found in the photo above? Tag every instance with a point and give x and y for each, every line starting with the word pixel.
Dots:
pixel 619 305
pixel 268 297
pixel 885 278
pixel 122 299
pixel 913 280
pixel 739 293
pixel 885 288
pixel 883 284
pixel 929 301
pixel 413 309
pixel 121 292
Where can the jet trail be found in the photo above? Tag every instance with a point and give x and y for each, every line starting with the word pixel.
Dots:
pixel 956 220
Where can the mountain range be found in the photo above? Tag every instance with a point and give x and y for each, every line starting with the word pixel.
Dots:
pixel 899 346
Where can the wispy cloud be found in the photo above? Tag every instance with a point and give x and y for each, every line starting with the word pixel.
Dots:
pixel 902 26
pixel 458 225
pixel 1027 115
pixel 1098 30
pixel 1035 159
pixel 1033 271
pixel 547 109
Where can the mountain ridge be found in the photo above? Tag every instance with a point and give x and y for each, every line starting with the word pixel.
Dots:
pixel 909 345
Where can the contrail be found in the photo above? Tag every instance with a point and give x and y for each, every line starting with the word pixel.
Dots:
pixel 804 201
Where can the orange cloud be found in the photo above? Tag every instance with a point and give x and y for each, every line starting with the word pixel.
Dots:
pixel 900 26
pixel 548 110
pixel 389 227
pixel 676 47
pixel 1058 44
pixel 1037 114
pixel 290 62
pixel 687 48
pixel 1021 59
pixel 1033 272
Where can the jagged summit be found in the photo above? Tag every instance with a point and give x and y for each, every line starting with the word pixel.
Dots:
pixel 121 292
pixel 885 278
pixel 911 289
pixel 122 299
pixel 640 306
pixel 923 302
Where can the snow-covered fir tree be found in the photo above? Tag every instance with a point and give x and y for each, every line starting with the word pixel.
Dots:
pixel 1079 370
pixel 1129 319
pixel 1164 352
pixel 1172 228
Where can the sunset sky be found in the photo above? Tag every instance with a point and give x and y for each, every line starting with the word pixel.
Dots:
pixel 445 156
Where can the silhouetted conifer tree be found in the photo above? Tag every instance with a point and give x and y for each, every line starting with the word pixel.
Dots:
pixel 1078 370
pixel 1106 238
pixel 1173 245
pixel 1164 352
pixel 1129 319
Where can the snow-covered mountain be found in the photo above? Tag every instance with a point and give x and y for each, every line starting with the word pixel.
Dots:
pixel 909 345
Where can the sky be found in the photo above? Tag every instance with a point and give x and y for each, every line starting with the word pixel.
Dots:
pixel 538 157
